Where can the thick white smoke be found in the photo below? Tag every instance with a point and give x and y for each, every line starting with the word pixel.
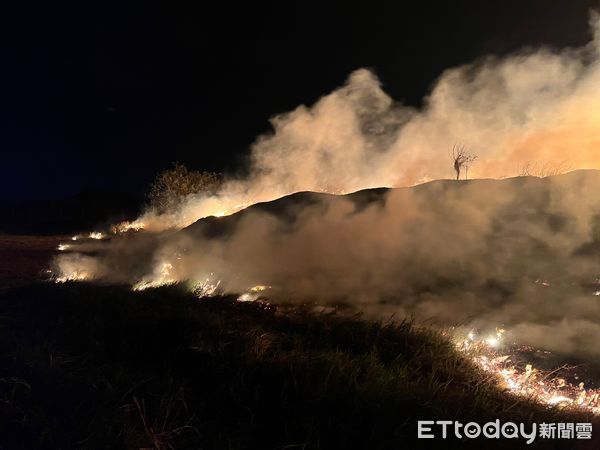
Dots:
pixel 537 109
pixel 520 252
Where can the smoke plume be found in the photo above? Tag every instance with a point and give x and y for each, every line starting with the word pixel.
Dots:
pixel 522 252
pixel 534 111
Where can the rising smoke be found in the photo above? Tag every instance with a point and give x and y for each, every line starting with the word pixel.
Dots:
pixel 532 108
pixel 521 252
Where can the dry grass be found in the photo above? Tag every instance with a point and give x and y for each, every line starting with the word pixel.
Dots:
pixel 102 367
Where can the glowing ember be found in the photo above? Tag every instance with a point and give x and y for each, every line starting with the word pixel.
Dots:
pixel 207 287
pixel 253 293
pixel 76 275
pixel 259 288
pixel 528 382
pixel 63 247
pixel 163 277
pixel 557 399
pixel 147 284
pixel 494 340
pixel 247 297
pixel 96 235
pixel 221 210
pixel 124 227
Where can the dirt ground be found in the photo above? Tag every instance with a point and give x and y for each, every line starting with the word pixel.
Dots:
pixel 25 258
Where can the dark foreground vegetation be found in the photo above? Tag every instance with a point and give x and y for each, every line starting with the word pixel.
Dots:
pixel 87 366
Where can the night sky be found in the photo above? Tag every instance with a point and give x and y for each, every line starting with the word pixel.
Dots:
pixel 102 97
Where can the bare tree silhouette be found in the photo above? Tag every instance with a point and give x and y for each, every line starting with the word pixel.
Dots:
pixel 543 170
pixel 461 160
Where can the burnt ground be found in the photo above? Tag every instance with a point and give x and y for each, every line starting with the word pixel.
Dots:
pixel 24 258
pixel 31 230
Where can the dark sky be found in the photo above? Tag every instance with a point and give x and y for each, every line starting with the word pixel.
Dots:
pixel 104 96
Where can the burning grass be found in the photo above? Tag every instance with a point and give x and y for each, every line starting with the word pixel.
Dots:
pixel 525 380
pixel 104 367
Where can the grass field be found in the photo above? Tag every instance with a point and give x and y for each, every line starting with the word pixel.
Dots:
pixel 91 366
pixel 101 367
